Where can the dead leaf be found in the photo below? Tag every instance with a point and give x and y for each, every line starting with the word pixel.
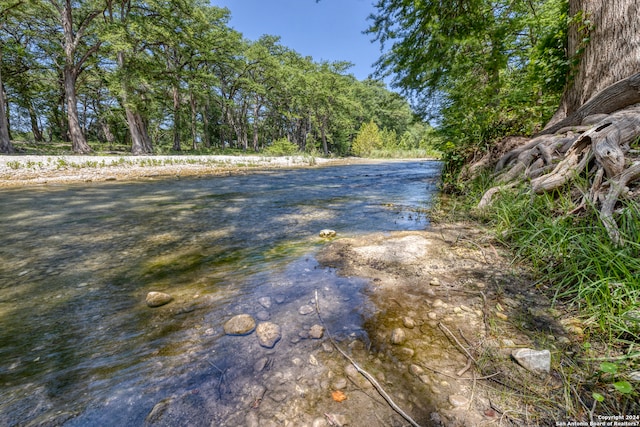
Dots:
pixel 338 396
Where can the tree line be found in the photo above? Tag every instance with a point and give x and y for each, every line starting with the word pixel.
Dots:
pixel 170 74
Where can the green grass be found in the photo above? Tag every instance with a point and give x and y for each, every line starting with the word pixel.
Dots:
pixel 573 254
pixel 574 261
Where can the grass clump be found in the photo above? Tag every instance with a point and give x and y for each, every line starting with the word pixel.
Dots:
pixel 574 262
pixel 574 255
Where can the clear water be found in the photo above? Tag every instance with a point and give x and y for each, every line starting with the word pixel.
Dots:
pixel 79 346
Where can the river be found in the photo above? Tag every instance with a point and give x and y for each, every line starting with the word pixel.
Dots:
pixel 78 344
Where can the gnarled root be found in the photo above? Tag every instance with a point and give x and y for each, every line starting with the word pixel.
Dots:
pixel 601 148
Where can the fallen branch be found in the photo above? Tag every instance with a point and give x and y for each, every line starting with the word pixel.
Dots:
pixel 444 374
pixel 450 334
pixel 364 373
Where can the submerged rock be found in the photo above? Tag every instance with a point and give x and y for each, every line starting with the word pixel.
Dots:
pixel 316 332
pixel 265 302
pixel 241 324
pixel 408 322
pixel 156 299
pixel 268 334
pixel 538 361
pixel 326 233
pixel 306 309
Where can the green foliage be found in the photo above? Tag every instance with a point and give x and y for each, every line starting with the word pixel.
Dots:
pixel 281 147
pixel 368 139
pixel 484 68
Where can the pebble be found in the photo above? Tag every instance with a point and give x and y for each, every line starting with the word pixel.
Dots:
pixel 340 383
pixel 260 364
pixel 319 422
pixel 337 420
pixel 268 334
pixel 434 282
pixel 306 309
pixel 263 315
pixel 437 303
pixel 242 324
pixel 312 360
pixel 316 332
pixel 252 420
pixel 432 315
pixel 265 302
pixel 406 353
pixel 398 336
pixel 467 309
pixel 408 322
pixel 416 370
pixel 351 372
pixel 458 400
pixel 156 299
pixel 278 396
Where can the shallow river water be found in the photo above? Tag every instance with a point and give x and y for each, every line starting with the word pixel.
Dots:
pixel 78 344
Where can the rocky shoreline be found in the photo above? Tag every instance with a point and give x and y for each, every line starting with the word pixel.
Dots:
pixel 456 335
pixel 22 170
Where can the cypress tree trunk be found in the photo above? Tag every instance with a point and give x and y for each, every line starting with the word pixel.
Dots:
pixel 611 53
pixel 140 142
pixel 5 140
pixel 176 118
pixel 78 141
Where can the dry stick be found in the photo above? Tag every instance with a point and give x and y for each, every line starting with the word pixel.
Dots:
pixel 465 369
pixel 449 333
pixel 364 373
pixel 461 378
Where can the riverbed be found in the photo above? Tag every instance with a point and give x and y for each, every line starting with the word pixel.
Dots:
pixel 81 347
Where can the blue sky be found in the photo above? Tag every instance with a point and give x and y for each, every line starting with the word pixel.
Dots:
pixel 330 30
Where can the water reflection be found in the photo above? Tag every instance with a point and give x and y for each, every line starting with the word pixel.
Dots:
pixel 78 344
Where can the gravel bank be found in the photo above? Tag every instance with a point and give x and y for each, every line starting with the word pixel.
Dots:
pixel 22 170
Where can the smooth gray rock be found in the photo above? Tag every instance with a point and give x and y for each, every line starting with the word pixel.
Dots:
pixel 263 315
pixel 306 309
pixel 265 302
pixel 156 299
pixel 538 361
pixel 242 324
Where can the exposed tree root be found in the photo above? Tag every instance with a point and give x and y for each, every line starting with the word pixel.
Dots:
pixel 590 144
